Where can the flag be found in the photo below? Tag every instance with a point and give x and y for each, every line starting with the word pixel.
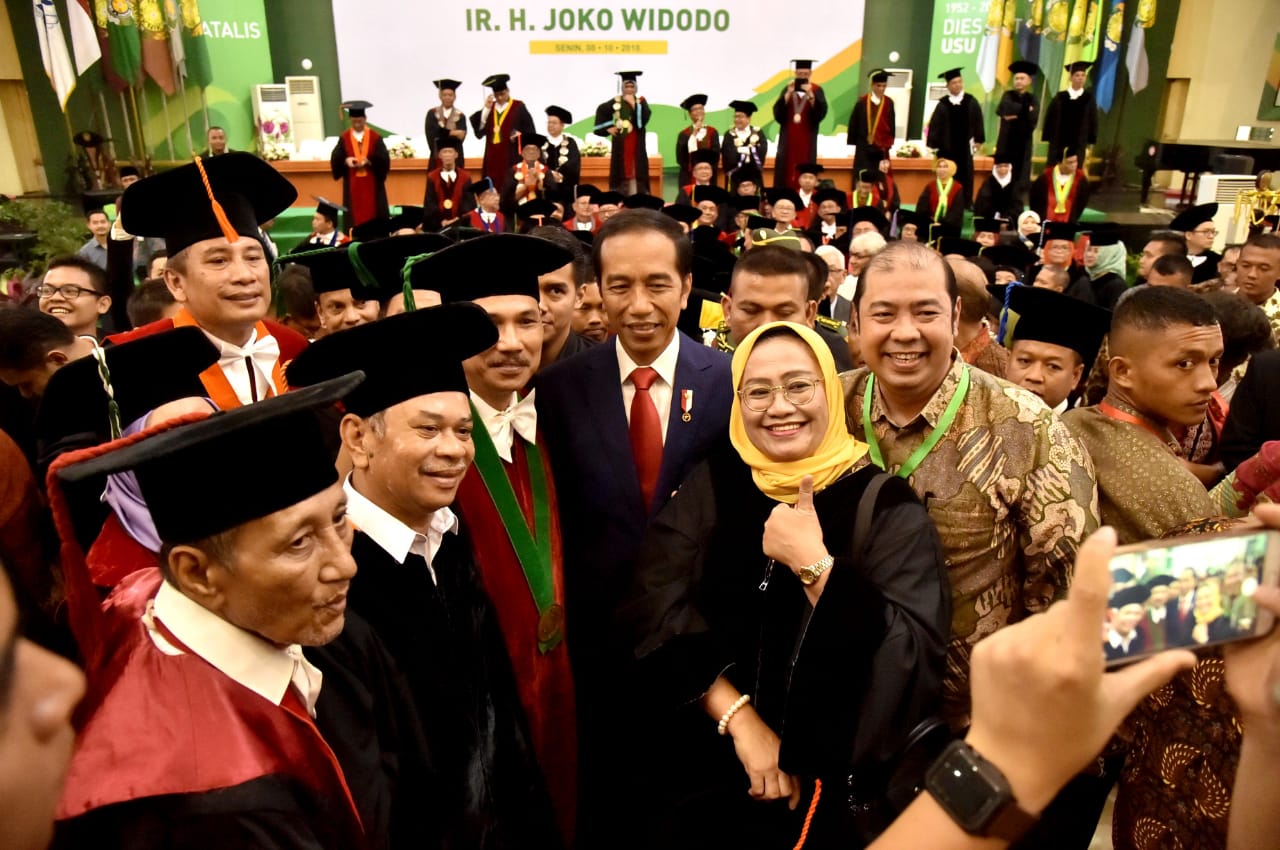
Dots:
pixel 1053 44
pixel 1006 52
pixel 123 42
pixel 99 16
pixel 1092 32
pixel 196 49
pixel 1029 31
pixel 989 50
pixel 1136 59
pixel 53 51
pixel 84 37
pixel 1104 87
pixel 155 44
pixel 1074 41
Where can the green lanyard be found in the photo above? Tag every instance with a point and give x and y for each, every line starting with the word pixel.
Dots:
pixel 534 554
pixel 922 452
pixel 943 193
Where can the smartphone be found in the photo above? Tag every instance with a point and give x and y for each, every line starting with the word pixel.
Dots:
pixel 1189 592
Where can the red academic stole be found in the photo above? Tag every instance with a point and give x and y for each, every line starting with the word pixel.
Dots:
pixel 449 199
pixel 363 186
pixel 215 380
pixel 159 724
pixel 497 147
pixel 1051 206
pixel 630 142
pixel 499 222
pixel 952 194
pixel 570 224
pixel 543 676
pixel 805 215
pixel 879 133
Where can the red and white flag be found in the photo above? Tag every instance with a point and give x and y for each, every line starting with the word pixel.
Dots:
pixel 53 50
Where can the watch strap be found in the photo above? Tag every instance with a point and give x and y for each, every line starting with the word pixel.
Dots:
pixel 1011 822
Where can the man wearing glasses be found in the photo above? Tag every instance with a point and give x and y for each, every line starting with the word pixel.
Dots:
pixel 74 292
pixel 1196 224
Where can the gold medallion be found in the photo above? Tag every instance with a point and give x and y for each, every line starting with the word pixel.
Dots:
pixel 795 119
pixel 686 416
pixel 551 624
pixel 448 203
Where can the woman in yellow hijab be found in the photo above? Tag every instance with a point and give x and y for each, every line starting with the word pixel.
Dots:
pixel 760 615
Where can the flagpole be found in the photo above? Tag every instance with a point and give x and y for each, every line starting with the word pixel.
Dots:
pixel 106 126
pixel 186 115
pixel 168 124
pixel 128 127
pixel 204 107
pixel 142 132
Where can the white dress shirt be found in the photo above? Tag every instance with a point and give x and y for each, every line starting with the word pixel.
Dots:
pixel 1119 641
pixel 660 392
pixel 956 99
pixel 520 416
pixel 1074 94
pixel 234 361
pixel 397 539
pixel 849 286
pixel 242 656
pixel 1157 614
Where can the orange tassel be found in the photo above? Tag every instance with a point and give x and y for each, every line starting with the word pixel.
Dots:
pixel 808 818
pixel 218 213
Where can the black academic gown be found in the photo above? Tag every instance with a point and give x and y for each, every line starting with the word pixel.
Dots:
pixel 842 690
pixel 379 163
pixel 711 141
pixel 444 639
pixel 867 154
pixel 617 156
pixel 437 129
pixel 732 157
pixel 1002 202
pixel 1018 112
pixel 1108 289
pixel 564 167
pixel 1071 123
pixel 950 130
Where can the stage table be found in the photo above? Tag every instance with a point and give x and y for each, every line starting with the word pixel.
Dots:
pixel 407 181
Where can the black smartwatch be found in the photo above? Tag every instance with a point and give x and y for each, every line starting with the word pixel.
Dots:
pixel 976 795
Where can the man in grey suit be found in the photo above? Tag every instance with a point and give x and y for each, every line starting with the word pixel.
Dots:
pixel 863 247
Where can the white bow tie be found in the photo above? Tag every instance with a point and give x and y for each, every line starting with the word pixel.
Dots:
pixel 487 216
pixel 263 352
pixel 448 175
pixel 520 418
pixel 306 677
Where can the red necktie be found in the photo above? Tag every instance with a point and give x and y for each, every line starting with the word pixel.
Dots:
pixel 646 433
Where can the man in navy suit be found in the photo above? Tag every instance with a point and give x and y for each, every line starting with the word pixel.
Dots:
pixel 624 422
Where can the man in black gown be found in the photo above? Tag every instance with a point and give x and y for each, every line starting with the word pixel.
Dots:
pixel 1071 118
pixel 956 126
pixel 1018 113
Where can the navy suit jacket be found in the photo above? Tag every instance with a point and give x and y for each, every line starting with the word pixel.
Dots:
pixel 582 418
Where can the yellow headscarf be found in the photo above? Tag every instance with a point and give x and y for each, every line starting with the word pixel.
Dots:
pixel 835 455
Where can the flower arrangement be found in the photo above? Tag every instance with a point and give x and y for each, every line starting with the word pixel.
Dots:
pixel 908 151
pixel 401 149
pixel 274 151
pixel 274 137
pixel 594 148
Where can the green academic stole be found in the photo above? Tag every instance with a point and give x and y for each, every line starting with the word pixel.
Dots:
pixel 918 456
pixel 533 553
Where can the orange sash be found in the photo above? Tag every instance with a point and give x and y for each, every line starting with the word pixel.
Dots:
pixel 215 381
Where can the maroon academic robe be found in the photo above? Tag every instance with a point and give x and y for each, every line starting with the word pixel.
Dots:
pixel 443 201
pixel 798 120
pixel 364 190
pixel 500 155
pixel 571 223
pixel 499 225
pixel 544 680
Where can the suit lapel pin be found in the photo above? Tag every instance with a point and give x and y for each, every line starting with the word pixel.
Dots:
pixel 686 405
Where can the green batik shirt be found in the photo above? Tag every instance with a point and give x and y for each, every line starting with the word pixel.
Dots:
pixel 1012 494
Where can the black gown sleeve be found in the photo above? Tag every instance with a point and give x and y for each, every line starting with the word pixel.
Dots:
pixel 937 138
pixel 1248 423
pixel 380 160
pixel 338 160
pixel 819 102
pixel 977 130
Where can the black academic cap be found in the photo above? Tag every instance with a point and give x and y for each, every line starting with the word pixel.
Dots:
pixel 1104 234
pixel 707 155
pixel 746 107
pixel 484 184
pixel 867 175
pixel 192 476
pixel 941 230
pixel 449 142
pixel 629 76
pixel 379 265
pixel 446 83
pixel 1043 315
pixel 744 203
pixel 176 205
pixel 802 64
pixel 951 74
pixel 1024 67
pixel 610 197
pixel 1072 67
pixel 1158 581
pixel 986 225
pixel 964 247
pixel 1058 230
pixel 128 171
pixel 1136 595
pixel 682 212
pixel 560 112
pixel 1192 217
pixel 808 168
pixel 499 264
pixel 643 201
pixel 750 171
pixel 356 108
pixel 783 193
pixel 715 194
pixel 374 228
pixel 878 75
pixel 906 216
pixel 443 336
pixel 586 190
pixel 1013 255
pixel 409 216
pixel 536 207
pixel 330 270
pixel 1001 157
pixel 535 139
pixel 759 222
pixel 586 237
pixel 328 208
pixel 831 194
pixel 871 214
pixel 144 374
pixel 497 82
pixel 1070 150
pixel 693 100
pixel 88 139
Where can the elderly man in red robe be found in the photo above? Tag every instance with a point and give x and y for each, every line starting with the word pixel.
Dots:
pixel 799 110
pixel 1062 192
pixel 500 123
pixel 360 160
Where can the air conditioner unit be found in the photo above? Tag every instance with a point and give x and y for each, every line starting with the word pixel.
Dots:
pixel 270 103
pixel 306 108
pixel 1223 189
pixel 898 87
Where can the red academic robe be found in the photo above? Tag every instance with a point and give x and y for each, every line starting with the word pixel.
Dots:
pixel 473 219
pixel 544 680
pixel 364 190
pixel 928 203
pixel 797 134
pixel 215 382
pixel 443 201
pixel 114 555
pixel 1044 201
pixel 806 215
pixel 499 156
pixel 571 223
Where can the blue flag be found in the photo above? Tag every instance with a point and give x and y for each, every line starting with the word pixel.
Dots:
pixel 1109 59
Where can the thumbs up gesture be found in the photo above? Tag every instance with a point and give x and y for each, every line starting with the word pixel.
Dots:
pixel 792 534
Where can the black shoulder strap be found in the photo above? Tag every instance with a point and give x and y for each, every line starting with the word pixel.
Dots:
pixel 866 510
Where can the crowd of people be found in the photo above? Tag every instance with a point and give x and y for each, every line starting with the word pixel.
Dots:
pixel 744 520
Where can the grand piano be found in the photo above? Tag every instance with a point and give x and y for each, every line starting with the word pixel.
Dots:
pixel 1194 157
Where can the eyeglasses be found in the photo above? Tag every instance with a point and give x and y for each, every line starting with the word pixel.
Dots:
pixel 68 291
pixel 1212 231
pixel 799 392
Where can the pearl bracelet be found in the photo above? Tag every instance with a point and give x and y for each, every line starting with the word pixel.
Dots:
pixel 723 728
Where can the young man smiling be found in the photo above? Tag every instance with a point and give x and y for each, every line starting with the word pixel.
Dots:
pixel 74 291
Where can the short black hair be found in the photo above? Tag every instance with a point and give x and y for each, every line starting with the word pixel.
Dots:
pixel 27 335
pixel 1245 328
pixel 1175 242
pixel 635 221
pixel 1265 241
pixel 565 239
pixel 1154 308
pixel 97 277
pixel 818 272
pixel 148 301
pixel 96 211
pixel 295 295
pixel 777 261
pixel 1171 265
pixel 914 255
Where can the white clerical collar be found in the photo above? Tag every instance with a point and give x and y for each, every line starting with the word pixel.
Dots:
pixel 554 141
pixel 1005 181
pixel 956 99
pixel 742 134
pixel 487 216
pixel 393 536
pixel 875 100
pixel 1119 641
pixel 1074 94
pixel 520 416
pixel 1157 614
pixel 664 365
pixel 359 135
pixel 1062 406
pixel 242 656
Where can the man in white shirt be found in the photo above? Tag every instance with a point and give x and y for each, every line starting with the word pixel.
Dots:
pixel 1124 638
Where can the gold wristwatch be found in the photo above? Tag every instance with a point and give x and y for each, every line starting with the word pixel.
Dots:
pixel 810 574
